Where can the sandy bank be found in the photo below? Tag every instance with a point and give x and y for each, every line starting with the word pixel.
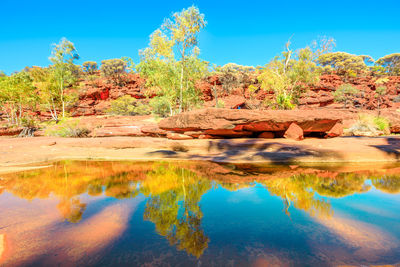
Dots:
pixel 15 152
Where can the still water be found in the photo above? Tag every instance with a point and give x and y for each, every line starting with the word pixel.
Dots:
pixel 199 214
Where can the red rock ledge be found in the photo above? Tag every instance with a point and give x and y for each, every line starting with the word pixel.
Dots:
pixel 235 123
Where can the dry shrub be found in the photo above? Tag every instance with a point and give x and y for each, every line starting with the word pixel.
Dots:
pixel 177 147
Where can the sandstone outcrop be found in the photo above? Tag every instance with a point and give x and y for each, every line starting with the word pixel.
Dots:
pixel 96 95
pixel 5 131
pixel 231 123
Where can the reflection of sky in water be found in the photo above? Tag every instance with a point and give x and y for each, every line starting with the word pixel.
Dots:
pixel 173 214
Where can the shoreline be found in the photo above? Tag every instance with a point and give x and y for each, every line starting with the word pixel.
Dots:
pixel 17 154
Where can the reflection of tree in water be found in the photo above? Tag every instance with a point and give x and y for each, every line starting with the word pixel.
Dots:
pixel 344 184
pixel 235 186
pixel 68 180
pixel 71 209
pixel 174 192
pixel 387 183
pixel 120 187
pixel 294 191
pixel 174 206
pixel 300 190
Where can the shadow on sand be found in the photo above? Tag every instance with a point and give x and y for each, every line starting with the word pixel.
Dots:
pixel 259 150
pixel 392 147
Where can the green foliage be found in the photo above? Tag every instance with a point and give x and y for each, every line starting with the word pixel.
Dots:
pixel 387 183
pixel 368 125
pixel 128 106
pixel 382 124
pixel 89 66
pixel 130 65
pixel 170 63
pixel 381 90
pixel 343 63
pixel 2 74
pixel 345 93
pixel 390 63
pixel 288 75
pixel 51 98
pixel 67 128
pixel 112 67
pixel 220 104
pixel 62 74
pixel 17 93
pixel 161 106
pixel 176 212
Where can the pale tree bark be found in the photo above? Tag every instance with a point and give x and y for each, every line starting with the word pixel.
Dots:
pixel 182 72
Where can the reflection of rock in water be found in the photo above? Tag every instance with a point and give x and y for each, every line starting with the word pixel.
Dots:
pixel 369 242
pixel 40 242
pixel 87 239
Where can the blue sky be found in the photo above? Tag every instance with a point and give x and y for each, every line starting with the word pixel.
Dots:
pixel 244 32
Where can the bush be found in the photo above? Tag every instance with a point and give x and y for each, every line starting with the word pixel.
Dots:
pixel 160 106
pixel 382 124
pixel 67 128
pixel 177 147
pixel 89 67
pixel 128 106
pixel 368 125
pixel 30 126
pixel 29 122
pixel 234 76
pixel 113 68
pixel 220 104
pixel 345 93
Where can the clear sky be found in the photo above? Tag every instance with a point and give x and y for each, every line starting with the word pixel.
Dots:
pixel 244 32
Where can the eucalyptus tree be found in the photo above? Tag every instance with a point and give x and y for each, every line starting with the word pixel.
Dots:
pixel 89 67
pixel 390 63
pixel 288 75
pixel 63 69
pixel 344 63
pixel 171 63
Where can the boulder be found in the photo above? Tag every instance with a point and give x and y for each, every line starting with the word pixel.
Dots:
pixel 336 130
pixel 176 136
pixel 153 130
pixel 294 132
